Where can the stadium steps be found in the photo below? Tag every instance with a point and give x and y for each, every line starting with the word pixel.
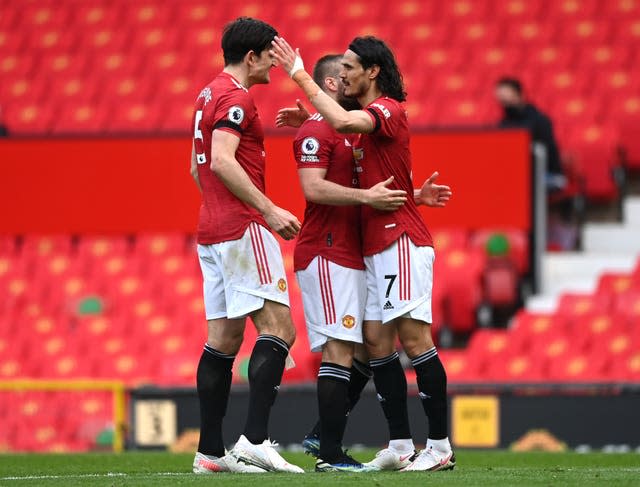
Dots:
pixel 608 247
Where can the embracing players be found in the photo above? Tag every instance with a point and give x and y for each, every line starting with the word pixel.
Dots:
pixel 397 247
pixel 329 266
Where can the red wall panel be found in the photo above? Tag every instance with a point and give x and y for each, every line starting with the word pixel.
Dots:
pixel 127 185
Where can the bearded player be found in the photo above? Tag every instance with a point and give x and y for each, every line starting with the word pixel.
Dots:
pixel 397 246
pixel 329 266
pixel 240 259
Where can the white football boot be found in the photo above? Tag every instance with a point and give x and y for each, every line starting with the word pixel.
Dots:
pixel 389 459
pixel 431 460
pixel 263 456
pixel 206 464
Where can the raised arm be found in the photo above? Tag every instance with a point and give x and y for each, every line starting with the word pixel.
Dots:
pixel 319 190
pixel 354 121
pixel 233 176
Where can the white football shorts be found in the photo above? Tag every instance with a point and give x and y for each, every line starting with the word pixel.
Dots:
pixel 333 298
pixel 399 282
pixel 239 275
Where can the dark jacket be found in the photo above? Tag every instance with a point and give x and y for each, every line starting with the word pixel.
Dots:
pixel 540 128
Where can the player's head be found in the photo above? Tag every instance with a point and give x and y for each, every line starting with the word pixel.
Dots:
pixel 369 60
pixel 509 92
pixel 326 74
pixel 248 41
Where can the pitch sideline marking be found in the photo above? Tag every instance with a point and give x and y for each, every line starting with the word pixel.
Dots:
pixel 94 475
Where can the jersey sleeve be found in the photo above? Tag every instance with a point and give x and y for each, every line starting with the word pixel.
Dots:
pixel 234 112
pixel 313 145
pixel 386 115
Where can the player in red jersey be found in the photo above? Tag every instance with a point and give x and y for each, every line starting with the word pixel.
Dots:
pixel 240 259
pixel 397 246
pixel 330 268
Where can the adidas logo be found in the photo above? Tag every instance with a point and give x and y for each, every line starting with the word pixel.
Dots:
pixel 388 305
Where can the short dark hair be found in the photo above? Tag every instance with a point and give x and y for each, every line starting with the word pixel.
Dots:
pixel 323 68
pixel 513 83
pixel 374 52
pixel 243 35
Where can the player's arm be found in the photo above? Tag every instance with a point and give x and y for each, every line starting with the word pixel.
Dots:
pixel 319 190
pixel 194 167
pixel 233 176
pixel 353 121
pixel 432 194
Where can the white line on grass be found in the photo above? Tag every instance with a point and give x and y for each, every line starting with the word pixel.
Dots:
pixel 94 475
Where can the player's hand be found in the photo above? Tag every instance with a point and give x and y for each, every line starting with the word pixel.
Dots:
pixel 289 59
pixel 432 194
pixel 382 198
pixel 282 222
pixel 292 117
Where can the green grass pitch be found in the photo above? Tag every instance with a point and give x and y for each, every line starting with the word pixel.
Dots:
pixel 474 468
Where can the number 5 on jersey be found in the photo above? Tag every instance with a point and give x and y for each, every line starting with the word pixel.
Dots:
pixel 198 141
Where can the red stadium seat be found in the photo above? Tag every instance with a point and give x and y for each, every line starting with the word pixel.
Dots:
pixel 500 282
pixel 596 150
pixel 578 367
pixel 584 30
pixel 574 306
pixel 614 283
pixel 529 32
pixel 446 239
pixel 515 368
pixel 81 119
pixel 518 251
pixel 594 329
pixel 628 304
pixel 459 365
pixel 463 291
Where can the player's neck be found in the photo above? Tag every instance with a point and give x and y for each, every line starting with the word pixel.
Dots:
pixel 240 73
pixel 373 93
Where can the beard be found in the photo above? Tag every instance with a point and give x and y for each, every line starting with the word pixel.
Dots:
pixel 348 103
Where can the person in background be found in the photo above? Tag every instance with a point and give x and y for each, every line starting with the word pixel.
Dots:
pixel 518 113
pixel 562 229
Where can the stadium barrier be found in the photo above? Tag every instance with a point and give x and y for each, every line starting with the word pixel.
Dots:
pixel 530 416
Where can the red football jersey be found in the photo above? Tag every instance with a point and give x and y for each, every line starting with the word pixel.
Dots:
pixel 330 231
pixel 226 105
pixel 380 155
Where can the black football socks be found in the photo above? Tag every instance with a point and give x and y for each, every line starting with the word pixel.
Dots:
pixel 432 387
pixel 265 373
pixel 213 381
pixel 360 375
pixel 333 406
pixel 391 385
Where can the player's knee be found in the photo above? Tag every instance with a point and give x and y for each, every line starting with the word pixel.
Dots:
pixel 229 342
pixel 275 319
pixel 415 344
pixel 338 352
pixel 415 339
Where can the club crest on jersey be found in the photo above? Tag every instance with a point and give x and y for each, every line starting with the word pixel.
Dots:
pixel 282 285
pixel 348 321
pixel 236 114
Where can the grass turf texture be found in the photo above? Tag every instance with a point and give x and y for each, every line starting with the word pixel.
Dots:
pixel 474 468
